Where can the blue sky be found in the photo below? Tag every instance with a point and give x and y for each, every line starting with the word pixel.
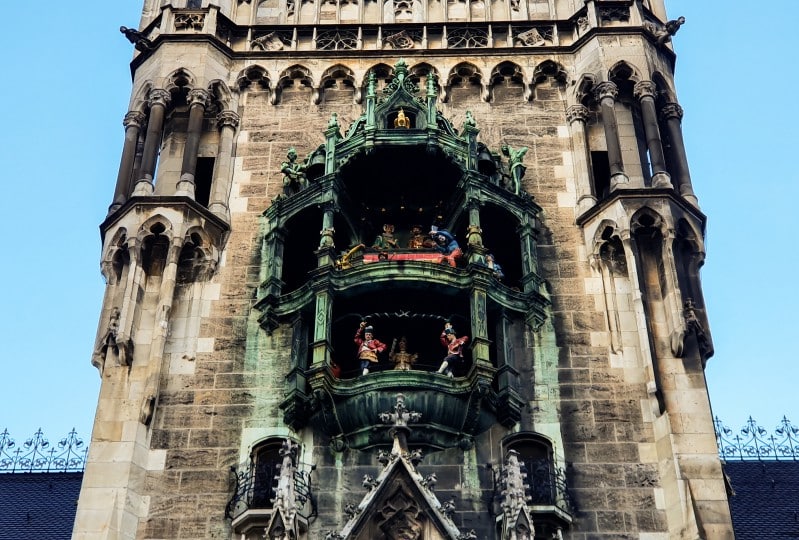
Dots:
pixel 66 87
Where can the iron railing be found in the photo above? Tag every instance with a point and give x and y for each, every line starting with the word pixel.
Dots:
pixel 547 484
pixel 256 489
pixel 36 454
pixel 753 442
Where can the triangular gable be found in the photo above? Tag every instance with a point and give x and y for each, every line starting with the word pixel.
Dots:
pixel 399 502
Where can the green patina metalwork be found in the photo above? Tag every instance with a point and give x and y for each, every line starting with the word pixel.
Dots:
pixel 400 155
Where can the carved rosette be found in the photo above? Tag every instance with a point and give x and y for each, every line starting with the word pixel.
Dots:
pixel 577 113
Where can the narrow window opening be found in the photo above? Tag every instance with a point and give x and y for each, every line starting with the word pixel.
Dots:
pixel 600 169
pixel 203 177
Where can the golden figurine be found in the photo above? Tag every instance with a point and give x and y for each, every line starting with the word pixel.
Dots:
pixel 403 360
pixel 402 121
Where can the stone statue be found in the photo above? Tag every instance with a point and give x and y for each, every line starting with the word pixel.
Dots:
pixel 515 157
pixel 140 42
pixel 693 324
pixel 663 34
pixel 109 339
pixel 403 360
pixel 293 173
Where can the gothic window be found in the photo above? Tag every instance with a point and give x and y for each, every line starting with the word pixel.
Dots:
pixel 537 461
pixel 600 174
pixel 336 40
pixel 467 37
pixel 266 462
pixel 154 250
pixel 194 4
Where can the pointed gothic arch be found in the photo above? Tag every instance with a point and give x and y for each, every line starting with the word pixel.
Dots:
pixel 337 81
pixel 296 80
pixel 466 81
pixel 252 77
pixel 508 82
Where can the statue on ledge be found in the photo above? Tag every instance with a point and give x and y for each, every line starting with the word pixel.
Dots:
pixel 403 360
pixel 386 240
pixel 454 347
pixel 446 245
pixel 293 173
pixel 368 347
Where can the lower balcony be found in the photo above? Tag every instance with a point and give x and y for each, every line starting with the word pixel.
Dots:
pixel 452 410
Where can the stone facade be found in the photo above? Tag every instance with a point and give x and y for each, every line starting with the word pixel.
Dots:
pixel 232 405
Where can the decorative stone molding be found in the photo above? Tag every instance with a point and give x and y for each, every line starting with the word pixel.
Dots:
pixel 577 113
pixel 606 89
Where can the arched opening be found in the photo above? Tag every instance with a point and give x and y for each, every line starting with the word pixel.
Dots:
pixel 301 241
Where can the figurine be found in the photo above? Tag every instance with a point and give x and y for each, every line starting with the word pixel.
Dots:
pixel 693 324
pixel 515 157
pixel 402 121
pixel 418 240
pixel 446 245
pixel 293 173
pixel 368 347
pixel 386 240
pixel 403 360
pixel 494 266
pixel 454 347
pixel 109 339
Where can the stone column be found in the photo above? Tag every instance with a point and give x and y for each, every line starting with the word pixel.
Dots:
pixel 645 93
pixel 133 122
pixel 198 99
pixel 672 113
pixel 527 237
pixel 606 93
pixel 326 254
pixel 227 121
pixel 159 99
pixel 474 233
pixel 577 115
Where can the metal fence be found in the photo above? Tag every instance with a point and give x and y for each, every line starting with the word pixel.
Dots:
pixel 37 454
pixel 753 442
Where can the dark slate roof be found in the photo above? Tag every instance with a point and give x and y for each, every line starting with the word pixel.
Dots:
pixel 766 500
pixel 37 506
